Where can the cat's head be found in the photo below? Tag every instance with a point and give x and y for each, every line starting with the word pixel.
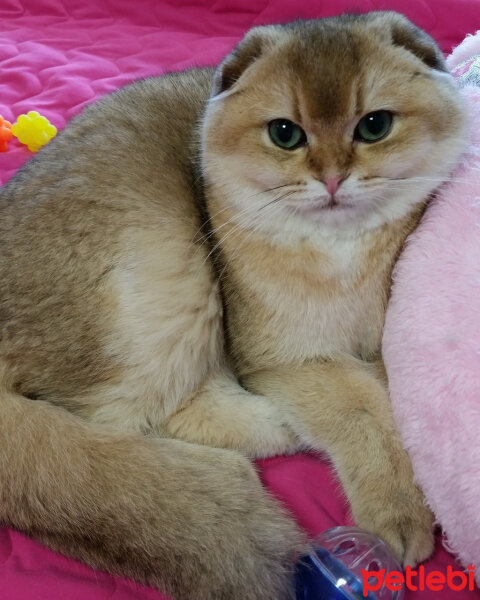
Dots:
pixel 331 124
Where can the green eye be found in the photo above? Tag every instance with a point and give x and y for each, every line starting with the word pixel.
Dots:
pixel 374 126
pixel 286 134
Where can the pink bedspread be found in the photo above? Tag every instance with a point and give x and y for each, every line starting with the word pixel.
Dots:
pixel 58 55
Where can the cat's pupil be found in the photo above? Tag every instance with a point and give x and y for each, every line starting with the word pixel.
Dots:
pixel 286 134
pixel 284 131
pixel 375 123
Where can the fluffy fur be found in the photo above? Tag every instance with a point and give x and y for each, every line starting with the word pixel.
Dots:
pixel 112 309
pixel 431 341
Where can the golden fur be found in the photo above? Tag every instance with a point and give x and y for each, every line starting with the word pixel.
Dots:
pixel 150 265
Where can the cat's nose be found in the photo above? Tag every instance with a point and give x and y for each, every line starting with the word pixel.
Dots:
pixel 332 183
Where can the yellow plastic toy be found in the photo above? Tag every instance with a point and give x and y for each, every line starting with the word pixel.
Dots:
pixel 33 130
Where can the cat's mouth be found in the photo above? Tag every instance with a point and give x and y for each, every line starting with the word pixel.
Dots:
pixel 321 206
pixel 334 203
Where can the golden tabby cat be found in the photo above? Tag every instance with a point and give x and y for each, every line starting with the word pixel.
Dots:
pixel 154 271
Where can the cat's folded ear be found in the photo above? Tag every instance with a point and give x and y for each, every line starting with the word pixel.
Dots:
pixel 255 43
pixel 405 34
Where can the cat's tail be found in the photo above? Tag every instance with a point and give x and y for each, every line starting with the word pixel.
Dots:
pixel 190 520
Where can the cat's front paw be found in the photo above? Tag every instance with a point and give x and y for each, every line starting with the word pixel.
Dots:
pixel 402 519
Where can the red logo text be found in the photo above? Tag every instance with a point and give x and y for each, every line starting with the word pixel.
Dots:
pixel 418 580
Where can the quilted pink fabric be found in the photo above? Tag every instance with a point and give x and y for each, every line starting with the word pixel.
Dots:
pixel 58 55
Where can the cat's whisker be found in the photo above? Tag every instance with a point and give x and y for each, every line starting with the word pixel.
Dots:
pixel 219 242
pixel 208 235
pixel 443 180
pixel 205 238
pixel 246 212
pixel 408 182
pixel 275 200
pixel 278 187
pixel 239 224
pixel 206 222
pixel 234 229
pixel 275 209
pixel 222 210
pixel 244 221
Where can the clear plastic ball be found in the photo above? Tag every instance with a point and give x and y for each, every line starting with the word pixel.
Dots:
pixel 333 571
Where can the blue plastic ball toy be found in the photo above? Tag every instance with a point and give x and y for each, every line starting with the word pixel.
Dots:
pixel 333 570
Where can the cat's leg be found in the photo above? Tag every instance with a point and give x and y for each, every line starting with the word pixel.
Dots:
pixel 190 520
pixel 167 338
pixel 343 407
pixel 223 414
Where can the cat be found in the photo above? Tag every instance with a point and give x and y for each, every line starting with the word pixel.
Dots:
pixel 194 273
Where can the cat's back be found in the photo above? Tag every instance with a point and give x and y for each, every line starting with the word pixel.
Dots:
pixel 93 204
pixel 133 138
pixel 126 160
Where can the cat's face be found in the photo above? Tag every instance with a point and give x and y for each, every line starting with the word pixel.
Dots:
pixel 330 125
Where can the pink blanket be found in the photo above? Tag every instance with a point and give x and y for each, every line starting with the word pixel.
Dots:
pixel 58 55
pixel 432 337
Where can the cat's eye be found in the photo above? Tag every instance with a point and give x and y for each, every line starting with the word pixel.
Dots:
pixel 286 134
pixel 374 126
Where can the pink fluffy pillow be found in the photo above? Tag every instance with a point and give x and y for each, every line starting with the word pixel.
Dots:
pixel 432 337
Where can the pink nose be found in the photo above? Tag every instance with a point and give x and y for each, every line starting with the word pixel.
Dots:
pixel 332 183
